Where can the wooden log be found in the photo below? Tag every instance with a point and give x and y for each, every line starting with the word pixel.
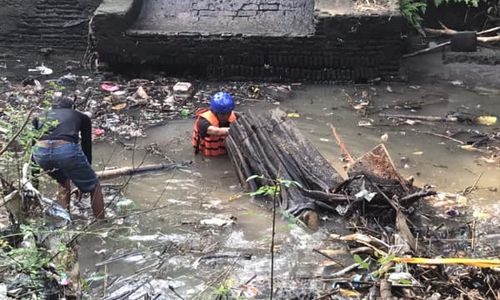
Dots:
pixel 127 171
pixel 488 39
pixel 449 32
pixel 426 50
pixel 270 145
pixel 342 146
pixel 423 118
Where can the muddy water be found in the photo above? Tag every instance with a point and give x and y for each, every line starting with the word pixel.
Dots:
pixel 164 247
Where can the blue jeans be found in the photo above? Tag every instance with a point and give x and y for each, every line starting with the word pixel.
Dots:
pixel 67 162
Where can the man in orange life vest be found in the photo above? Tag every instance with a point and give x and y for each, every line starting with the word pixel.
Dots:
pixel 212 125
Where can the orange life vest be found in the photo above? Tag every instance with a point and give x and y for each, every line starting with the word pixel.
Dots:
pixel 211 145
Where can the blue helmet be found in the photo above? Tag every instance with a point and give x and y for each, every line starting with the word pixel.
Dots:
pixel 222 102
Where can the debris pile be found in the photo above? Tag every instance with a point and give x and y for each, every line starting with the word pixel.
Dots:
pixel 399 247
pixel 126 108
pixel 399 251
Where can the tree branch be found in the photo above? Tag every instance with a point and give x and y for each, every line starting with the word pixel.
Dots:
pixel 17 133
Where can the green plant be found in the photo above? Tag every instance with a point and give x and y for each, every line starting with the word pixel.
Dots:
pixel 362 264
pixel 382 263
pixel 185 113
pixel 30 259
pixel 224 290
pixel 14 125
pixel 16 143
pixel 269 190
pixel 473 3
pixel 273 190
pixel 382 266
pixel 35 260
pixel 413 11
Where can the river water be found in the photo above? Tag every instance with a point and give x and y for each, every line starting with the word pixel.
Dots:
pixel 171 246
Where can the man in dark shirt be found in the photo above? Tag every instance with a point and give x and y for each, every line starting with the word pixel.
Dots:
pixel 59 153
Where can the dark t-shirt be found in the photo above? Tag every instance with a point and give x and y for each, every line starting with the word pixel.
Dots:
pixel 71 124
pixel 203 125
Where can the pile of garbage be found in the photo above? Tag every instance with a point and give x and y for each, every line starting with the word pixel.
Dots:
pixel 126 108
pixel 411 247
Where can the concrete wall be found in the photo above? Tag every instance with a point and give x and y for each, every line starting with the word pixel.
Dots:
pixel 338 48
pixel 254 17
pixel 343 48
pixel 34 24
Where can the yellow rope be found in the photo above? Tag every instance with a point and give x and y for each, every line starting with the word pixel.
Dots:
pixel 481 263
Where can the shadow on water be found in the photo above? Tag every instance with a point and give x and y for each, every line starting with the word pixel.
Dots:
pixel 200 234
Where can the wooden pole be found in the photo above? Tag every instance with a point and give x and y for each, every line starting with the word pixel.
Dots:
pixel 127 171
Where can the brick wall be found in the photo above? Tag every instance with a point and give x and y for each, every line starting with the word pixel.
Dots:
pixel 34 24
pixel 343 48
pixel 245 8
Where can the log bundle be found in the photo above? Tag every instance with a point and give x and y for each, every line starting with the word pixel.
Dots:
pixel 270 145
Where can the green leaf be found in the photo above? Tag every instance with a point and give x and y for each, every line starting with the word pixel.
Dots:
pixel 405 282
pixel 361 262
pixel 387 259
pixel 263 190
pixel 184 113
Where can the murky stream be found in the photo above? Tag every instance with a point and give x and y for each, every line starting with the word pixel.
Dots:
pixel 163 247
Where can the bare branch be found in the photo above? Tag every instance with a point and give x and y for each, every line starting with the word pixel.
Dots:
pixel 17 133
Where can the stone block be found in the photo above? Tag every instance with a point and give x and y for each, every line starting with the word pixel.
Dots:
pixel 208 13
pixel 273 6
pixel 201 4
pixel 246 13
pixel 250 7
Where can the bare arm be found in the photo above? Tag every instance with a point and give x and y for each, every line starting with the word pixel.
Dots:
pixel 212 130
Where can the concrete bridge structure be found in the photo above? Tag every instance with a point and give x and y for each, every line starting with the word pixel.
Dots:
pixel 306 40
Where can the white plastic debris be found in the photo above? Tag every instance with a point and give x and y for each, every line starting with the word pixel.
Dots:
pixel 183 88
pixel 126 204
pixel 216 222
pixel 3 291
pixel 364 123
pixel 401 278
pixel 141 93
pixel 38 85
pixel 42 69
